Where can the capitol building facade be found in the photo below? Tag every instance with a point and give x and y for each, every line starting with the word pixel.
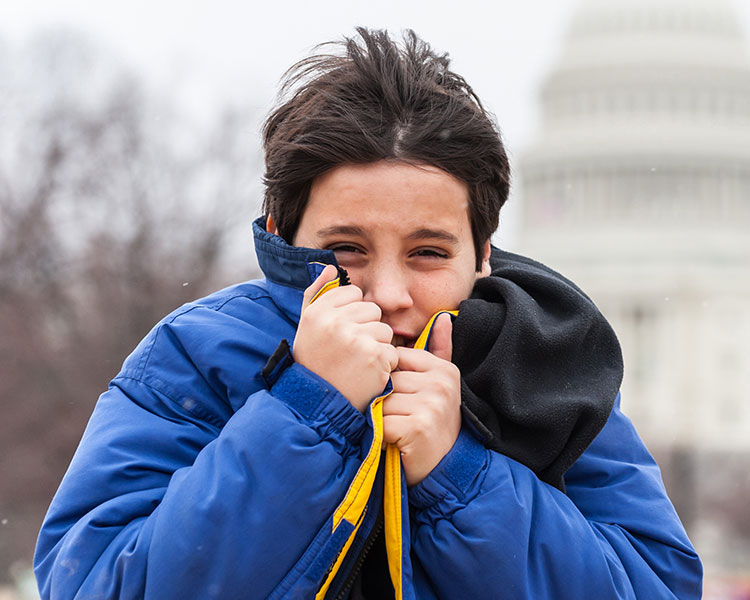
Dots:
pixel 637 187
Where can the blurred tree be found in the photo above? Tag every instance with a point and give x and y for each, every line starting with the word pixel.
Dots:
pixel 115 208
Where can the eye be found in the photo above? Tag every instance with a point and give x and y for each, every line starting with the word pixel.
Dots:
pixel 347 254
pixel 430 253
pixel 345 248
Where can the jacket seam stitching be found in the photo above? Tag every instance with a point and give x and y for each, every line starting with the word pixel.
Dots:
pixel 167 393
pixel 216 307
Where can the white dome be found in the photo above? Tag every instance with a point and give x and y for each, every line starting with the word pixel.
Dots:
pixel 638 188
pixel 601 18
pixel 642 87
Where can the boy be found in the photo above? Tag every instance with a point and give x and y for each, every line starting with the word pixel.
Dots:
pixel 223 463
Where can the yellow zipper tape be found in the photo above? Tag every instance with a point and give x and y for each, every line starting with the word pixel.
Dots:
pixel 354 504
pixel 337 564
pixel 392 513
pixel 352 508
pixel 392 497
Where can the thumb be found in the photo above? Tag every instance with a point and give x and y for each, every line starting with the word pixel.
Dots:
pixel 328 274
pixel 441 344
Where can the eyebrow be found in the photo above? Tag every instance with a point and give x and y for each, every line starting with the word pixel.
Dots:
pixel 420 234
pixel 341 230
pixel 433 234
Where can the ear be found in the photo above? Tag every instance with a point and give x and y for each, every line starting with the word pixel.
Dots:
pixel 486 269
pixel 271 225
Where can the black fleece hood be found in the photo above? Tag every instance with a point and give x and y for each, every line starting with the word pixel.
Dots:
pixel 540 365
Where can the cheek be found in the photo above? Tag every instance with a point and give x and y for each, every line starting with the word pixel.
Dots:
pixel 444 292
pixel 355 276
pixel 463 284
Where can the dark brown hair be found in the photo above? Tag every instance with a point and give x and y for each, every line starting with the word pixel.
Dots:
pixel 380 101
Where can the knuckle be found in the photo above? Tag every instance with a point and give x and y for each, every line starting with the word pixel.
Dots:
pixel 377 311
pixel 352 341
pixel 342 295
pixel 423 423
pixel 383 379
pixel 373 356
pixel 329 327
pixel 392 356
pixel 445 387
pixel 386 329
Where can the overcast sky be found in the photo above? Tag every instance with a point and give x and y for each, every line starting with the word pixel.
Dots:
pixel 223 49
pixel 216 51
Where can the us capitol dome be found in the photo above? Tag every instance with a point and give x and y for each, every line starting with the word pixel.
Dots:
pixel 637 186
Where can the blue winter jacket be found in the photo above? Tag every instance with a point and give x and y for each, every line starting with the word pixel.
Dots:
pixel 198 478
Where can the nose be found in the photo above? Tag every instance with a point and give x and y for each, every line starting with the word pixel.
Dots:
pixel 387 286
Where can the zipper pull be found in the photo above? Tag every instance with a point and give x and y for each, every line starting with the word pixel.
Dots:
pixel 343 276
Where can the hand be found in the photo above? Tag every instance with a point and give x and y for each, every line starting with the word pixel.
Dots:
pixel 341 339
pixel 423 414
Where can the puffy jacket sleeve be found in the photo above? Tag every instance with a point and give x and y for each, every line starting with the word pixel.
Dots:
pixel 484 526
pixel 170 497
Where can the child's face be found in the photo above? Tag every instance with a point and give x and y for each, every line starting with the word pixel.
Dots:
pixel 403 234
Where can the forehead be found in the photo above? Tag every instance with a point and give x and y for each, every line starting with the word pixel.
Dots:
pixel 388 193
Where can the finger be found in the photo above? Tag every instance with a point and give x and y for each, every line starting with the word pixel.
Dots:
pixel 335 297
pixel 396 428
pixel 383 354
pixel 357 312
pixel 413 359
pixel 328 274
pixel 392 356
pixel 380 332
pixel 399 404
pixel 407 382
pixel 441 344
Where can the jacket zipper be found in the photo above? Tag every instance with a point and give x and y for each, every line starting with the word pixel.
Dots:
pixel 343 276
pixel 361 559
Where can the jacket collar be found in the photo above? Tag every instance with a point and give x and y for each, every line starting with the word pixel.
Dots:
pixel 284 264
pixel 288 269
